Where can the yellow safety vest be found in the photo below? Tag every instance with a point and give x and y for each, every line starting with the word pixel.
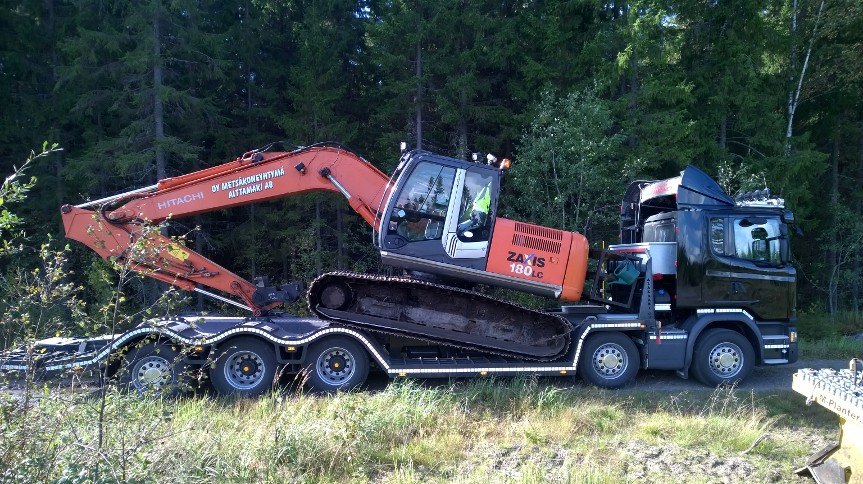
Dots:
pixel 483 200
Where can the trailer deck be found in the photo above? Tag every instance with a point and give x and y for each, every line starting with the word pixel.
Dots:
pixel 292 334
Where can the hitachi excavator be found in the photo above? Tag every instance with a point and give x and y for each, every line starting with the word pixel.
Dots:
pixel 416 214
pixel 435 218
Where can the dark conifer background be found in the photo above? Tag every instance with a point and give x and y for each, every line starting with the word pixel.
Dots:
pixel 585 96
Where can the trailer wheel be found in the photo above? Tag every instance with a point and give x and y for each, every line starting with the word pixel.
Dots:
pixel 154 368
pixel 336 363
pixel 609 360
pixel 244 367
pixel 722 356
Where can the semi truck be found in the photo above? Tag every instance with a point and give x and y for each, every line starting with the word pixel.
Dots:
pixel 701 283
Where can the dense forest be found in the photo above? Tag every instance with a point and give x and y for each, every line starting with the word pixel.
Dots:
pixel 584 96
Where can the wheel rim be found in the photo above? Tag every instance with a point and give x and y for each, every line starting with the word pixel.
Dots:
pixel 726 360
pixel 244 370
pixel 610 361
pixel 335 366
pixel 152 373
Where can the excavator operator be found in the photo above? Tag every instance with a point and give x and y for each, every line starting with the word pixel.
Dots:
pixel 479 211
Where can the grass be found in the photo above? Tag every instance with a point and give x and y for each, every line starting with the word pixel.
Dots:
pixel 520 430
pixel 819 325
pixel 833 348
pixel 825 336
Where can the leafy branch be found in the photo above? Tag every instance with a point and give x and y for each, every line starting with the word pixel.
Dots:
pixel 14 190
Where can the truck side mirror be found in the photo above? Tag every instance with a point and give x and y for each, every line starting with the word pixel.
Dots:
pixel 788 218
pixel 784 253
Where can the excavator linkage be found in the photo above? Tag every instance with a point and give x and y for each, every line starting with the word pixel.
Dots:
pixel 439 313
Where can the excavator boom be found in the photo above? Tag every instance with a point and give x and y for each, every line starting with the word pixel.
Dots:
pixel 121 228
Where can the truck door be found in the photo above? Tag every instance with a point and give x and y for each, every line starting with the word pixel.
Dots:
pixel 746 268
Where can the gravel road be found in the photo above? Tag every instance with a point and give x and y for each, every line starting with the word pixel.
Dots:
pixel 763 378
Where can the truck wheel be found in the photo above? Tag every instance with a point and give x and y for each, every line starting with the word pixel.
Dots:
pixel 609 360
pixel 154 368
pixel 722 356
pixel 244 367
pixel 336 363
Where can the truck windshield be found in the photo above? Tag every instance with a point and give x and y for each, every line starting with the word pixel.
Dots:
pixel 757 239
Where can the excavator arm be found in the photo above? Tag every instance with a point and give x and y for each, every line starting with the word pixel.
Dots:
pixel 121 227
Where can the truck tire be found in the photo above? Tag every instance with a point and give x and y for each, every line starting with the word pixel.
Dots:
pixel 609 360
pixel 244 367
pixel 154 369
pixel 722 356
pixel 335 364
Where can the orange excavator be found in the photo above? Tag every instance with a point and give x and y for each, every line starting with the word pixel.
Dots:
pixel 435 217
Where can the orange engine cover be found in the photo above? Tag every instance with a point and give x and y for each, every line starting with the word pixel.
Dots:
pixel 540 255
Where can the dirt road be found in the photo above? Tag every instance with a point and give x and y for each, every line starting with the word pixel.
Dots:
pixel 763 378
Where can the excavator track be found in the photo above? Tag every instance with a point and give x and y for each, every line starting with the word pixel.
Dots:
pixel 440 314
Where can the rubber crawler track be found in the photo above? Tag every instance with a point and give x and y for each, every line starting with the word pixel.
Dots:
pixel 443 315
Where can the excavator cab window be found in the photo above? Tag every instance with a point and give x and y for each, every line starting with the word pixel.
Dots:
pixel 473 217
pixel 422 204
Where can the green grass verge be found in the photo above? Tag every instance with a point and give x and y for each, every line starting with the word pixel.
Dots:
pixel 838 347
pixel 520 430
pixel 817 325
pixel 825 336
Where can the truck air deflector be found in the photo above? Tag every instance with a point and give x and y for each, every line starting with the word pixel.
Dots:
pixel 698 189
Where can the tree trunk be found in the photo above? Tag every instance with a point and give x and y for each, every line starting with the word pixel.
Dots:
pixel 253 245
pixel 340 237
pixel 158 107
pixel 794 101
pixel 723 130
pixel 858 258
pixel 832 252
pixel 56 134
pixel 318 242
pixel 632 104
pixel 461 130
pixel 418 99
pixel 792 71
pixel 199 248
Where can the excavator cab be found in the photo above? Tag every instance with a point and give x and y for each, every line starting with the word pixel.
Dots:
pixel 441 218
pixel 441 210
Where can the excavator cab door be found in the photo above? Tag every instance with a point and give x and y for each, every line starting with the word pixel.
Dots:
pixel 468 227
pixel 440 211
